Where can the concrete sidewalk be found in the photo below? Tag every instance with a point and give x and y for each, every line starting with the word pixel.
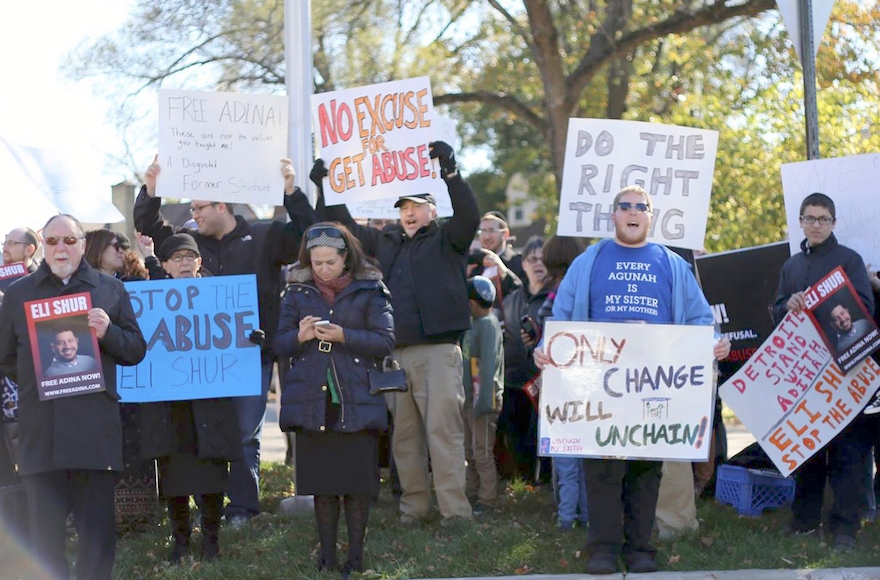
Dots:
pixel 820 574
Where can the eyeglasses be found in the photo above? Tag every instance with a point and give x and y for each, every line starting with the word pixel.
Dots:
pixel 534 260
pixel 68 240
pixel 190 256
pixel 115 246
pixel 811 219
pixel 628 205
pixel 13 242
pixel 490 231
pixel 329 231
pixel 197 209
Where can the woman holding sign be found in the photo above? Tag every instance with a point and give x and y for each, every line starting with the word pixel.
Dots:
pixel 336 325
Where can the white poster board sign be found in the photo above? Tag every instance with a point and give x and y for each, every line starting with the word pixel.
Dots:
pixel 635 391
pixel 673 164
pixel 792 397
pixel 374 141
pixel 222 146
pixel 851 182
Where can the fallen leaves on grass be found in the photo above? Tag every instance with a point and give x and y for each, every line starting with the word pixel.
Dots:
pixel 674 559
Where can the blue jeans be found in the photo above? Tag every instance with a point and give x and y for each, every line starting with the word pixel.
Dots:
pixel 243 485
pixel 570 489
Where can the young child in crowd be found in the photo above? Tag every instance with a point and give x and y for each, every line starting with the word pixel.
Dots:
pixel 483 386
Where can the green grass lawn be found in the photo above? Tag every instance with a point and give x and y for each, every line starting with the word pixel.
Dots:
pixel 520 537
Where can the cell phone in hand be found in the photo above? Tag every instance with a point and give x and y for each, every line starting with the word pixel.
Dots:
pixel 322 323
pixel 528 326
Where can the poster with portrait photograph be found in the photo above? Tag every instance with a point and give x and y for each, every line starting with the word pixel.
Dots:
pixel 67 360
pixel 843 322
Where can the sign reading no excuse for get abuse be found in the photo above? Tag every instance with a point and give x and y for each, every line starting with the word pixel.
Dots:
pixel 197 333
pixel 635 391
pixel 673 164
pixel 222 146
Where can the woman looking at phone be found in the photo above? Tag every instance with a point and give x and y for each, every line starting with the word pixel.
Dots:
pixel 336 326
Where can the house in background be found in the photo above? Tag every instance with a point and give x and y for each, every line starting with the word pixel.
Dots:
pixel 522 211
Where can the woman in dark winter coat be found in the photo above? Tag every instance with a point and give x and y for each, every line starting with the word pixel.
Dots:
pixel 336 325
pixel 193 441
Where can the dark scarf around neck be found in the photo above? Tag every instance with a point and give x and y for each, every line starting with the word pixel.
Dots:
pixel 331 288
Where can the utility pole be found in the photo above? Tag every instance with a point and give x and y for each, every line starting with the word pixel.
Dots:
pixel 808 60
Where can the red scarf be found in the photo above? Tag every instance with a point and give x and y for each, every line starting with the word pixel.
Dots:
pixel 331 288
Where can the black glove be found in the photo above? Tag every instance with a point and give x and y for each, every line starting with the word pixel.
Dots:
pixel 443 153
pixel 318 173
pixel 257 337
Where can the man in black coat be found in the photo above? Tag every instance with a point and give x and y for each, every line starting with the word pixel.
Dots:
pixel 843 460
pixel 423 264
pixel 229 245
pixel 70 447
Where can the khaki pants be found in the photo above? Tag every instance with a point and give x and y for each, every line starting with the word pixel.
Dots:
pixel 482 474
pixel 676 508
pixel 427 420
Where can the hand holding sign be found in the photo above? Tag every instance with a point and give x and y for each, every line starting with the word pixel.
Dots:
pixel 150 176
pixel 318 172
pixel 99 320
pixel 289 173
pixel 443 153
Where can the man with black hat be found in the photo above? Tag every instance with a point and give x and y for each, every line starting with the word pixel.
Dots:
pixel 229 245
pixel 423 264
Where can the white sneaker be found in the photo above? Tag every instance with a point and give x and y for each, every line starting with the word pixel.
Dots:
pixel 874 406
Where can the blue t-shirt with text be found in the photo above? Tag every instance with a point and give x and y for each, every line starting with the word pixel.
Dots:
pixel 631 284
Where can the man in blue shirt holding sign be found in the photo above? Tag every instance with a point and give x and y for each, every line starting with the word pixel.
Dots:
pixel 627 279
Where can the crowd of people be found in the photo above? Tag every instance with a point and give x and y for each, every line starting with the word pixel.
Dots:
pixel 449 302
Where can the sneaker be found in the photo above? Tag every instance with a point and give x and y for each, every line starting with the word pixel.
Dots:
pixel 799 530
pixel 874 406
pixel 602 563
pixel 481 508
pixel 237 522
pixel 844 543
pixel 640 563
pixel 566 525
pixel 409 520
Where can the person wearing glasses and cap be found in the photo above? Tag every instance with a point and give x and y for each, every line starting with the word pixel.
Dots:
pixel 228 246
pixel 424 263
pixel 70 448
pixel 651 285
pixel 336 326
pixel 843 460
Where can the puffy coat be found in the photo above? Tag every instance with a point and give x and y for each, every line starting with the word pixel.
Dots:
pixel 216 423
pixel 83 431
pixel 363 310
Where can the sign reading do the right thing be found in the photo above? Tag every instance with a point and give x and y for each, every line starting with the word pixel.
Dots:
pixel 673 164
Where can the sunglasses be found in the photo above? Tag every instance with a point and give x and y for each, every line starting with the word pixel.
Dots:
pixel 115 246
pixel 627 205
pixel 329 231
pixel 68 240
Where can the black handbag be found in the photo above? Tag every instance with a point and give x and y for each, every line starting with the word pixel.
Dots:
pixel 389 379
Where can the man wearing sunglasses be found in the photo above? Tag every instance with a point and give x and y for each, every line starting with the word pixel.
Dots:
pixel 229 245
pixel 628 279
pixel 843 460
pixel 423 264
pixel 70 447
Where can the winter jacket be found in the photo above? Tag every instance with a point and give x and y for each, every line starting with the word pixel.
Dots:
pixel 812 264
pixel 519 367
pixel 363 310
pixel 438 256
pixel 261 248
pixel 82 431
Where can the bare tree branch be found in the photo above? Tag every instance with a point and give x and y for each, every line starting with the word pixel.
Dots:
pixel 507 102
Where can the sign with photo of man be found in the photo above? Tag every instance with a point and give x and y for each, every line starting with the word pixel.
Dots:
pixel 67 360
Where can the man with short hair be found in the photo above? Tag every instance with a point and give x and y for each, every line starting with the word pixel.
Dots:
pixel 843 460
pixel 494 236
pixel 848 331
pixel 423 264
pixel 70 447
pixel 67 360
pixel 622 495
pixel 229 245
pixel 20 245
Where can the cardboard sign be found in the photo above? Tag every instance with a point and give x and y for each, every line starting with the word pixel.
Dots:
pixel 852 183
pixel 10 273
pixel 792 396
pixel 374 141
pixel 222 146
pixel 740 285
pixel 197 340
pixel 67 361
pixel 635 391
pixel 673 164
pixel 843 322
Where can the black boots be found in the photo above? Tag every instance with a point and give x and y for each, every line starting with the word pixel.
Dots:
pixel 327 519
pixel 178 513
pixel 212 506
pixel 357 510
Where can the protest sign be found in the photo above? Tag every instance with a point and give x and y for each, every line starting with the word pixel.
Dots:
pixel 852 183
pixel 843 322
pixel 740 285
pixel 60 334
pixel 197 333
pixel 374 141
pixel 10 273
pixel 792 396
pixel 637 391
pixel 222 146
pixel 673 164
